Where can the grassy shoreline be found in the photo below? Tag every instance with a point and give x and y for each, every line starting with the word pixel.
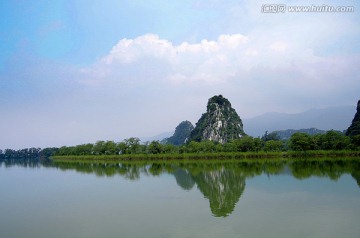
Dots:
pixel 210 156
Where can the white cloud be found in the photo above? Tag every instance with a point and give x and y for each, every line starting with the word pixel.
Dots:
pixel 228 57
pixel 207 61
pixel 128 50
pixel 210 61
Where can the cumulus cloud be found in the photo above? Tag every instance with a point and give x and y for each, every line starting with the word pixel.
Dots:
pixel 209 61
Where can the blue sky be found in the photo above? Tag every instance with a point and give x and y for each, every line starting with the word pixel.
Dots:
pixel 74 72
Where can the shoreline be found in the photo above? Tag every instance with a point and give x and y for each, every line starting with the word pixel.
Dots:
pixel 210 156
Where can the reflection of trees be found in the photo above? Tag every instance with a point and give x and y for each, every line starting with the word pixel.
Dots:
pixel 27 163
pixel 333 169
pixel 222 183
pixel 128 171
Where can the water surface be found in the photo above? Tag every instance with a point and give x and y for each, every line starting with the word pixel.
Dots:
pixel 204 199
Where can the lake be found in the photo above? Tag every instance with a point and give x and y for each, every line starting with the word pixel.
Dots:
pixel 300 198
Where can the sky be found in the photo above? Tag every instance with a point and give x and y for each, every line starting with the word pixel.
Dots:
pixel 74 72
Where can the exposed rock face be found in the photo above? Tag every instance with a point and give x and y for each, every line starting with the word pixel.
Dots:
pixel 181 134
pixel 220 123
pixel 354 128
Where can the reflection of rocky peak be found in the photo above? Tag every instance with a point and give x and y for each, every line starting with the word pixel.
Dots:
pixel 356 172
pixel 354 128
pixel 223 188
pixel 184 179
pixel 356 176
pixel 220 123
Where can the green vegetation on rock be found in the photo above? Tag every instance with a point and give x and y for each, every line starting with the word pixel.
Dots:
pixel 181 134
pixel 354 128
pixel 220 123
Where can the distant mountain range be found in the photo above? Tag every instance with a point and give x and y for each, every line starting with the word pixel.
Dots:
pixel 336 118
pixel 158 137
pixel 286 134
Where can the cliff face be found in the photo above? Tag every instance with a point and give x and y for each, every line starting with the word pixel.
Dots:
pixel 181 134
pixel 220 123
pixel 354 128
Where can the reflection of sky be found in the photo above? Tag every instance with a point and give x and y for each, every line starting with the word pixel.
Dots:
pixel 50 202
pixel 313 184
pixel 313 207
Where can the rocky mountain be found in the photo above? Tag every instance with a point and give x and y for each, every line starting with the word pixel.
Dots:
pixel 333 118
pixel 354 128
pixel 220 123
pixel 181 134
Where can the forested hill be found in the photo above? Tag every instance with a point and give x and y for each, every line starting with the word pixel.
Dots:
pixel 181 134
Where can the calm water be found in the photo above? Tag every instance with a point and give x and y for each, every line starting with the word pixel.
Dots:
pixel 298 199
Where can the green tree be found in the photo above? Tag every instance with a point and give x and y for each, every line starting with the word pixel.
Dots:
pixel 207 146
pixel 193 147
pixel 133 145
pixel 258 144
pixel 64 150
pixel 355 141
pixel 170 149
pixel 85 149
pixel 333 140
pixel 274 145
pixel 110 148
pixel 244 144
pixel 122 148
pixel 300 142
pixel 99 148
pixel 155 147
pixel 271 136
pixel 229 146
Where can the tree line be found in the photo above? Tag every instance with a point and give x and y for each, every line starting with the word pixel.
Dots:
pixel 331 140
pixel 27 153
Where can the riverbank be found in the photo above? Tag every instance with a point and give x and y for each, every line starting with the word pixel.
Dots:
pixel 210 156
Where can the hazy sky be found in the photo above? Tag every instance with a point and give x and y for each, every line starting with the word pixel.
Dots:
pixel 73 72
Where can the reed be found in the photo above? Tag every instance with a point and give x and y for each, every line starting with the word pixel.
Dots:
pixel 211 156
